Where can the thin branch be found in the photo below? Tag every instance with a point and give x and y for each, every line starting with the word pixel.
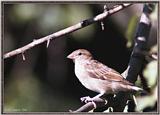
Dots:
pixel 98 102
pixel 65 31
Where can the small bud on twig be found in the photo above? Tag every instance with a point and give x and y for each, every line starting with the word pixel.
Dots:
pixel 23 57
pixel 48 41
pixel 105 10
pixel 102 25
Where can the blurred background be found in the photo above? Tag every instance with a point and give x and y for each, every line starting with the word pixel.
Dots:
pixel 45 81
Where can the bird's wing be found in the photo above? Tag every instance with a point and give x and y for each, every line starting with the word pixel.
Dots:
pixel 100 71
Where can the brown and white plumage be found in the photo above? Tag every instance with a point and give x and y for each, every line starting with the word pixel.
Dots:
pixel 98 77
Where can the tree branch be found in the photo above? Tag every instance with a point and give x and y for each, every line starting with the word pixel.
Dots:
pixel 98 102
pixel 65 31
pixel 137 57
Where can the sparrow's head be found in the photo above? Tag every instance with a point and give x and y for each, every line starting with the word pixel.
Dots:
pixel 80 54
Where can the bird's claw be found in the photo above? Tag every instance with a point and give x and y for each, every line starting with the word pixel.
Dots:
pixel 86 99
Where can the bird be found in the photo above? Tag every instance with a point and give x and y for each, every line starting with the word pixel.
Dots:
pixel 98 77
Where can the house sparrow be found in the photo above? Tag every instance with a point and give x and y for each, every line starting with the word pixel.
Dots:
pixel 98 77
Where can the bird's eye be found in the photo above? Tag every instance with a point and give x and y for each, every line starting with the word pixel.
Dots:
pixel 79 53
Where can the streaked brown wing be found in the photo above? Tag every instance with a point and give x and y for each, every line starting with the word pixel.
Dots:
pixel 101 71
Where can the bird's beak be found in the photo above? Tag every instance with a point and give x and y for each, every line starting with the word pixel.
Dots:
pixel 70 56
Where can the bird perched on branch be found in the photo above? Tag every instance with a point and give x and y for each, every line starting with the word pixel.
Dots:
pixel 98 77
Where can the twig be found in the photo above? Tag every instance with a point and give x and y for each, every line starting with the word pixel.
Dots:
pixel 65 31
pixel 98 102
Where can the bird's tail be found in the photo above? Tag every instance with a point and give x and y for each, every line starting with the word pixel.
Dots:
pixel 135 88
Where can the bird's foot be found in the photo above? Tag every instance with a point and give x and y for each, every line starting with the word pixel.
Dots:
pixel 86 99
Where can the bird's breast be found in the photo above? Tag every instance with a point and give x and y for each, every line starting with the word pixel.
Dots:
pixel 86 80
pixel 80 71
